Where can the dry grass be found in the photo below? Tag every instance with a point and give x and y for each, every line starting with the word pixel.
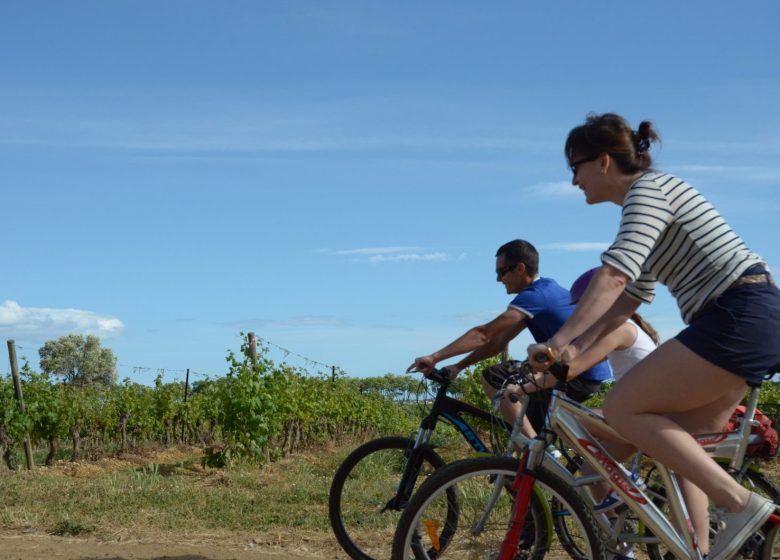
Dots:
pixel 167 496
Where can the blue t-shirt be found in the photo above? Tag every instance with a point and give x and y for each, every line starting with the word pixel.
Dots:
pixel 546 307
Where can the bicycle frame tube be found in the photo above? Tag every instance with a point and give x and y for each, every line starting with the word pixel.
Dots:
pixel 733 445
pixel 449 409
pixel 563 418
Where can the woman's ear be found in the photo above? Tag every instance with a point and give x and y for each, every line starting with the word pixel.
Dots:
pixel 605 162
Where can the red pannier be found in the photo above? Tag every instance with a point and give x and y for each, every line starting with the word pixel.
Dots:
pixel 766 446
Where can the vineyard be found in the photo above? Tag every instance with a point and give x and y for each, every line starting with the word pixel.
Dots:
pixel 258 411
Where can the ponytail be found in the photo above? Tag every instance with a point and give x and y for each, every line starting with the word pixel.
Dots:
pixel 645 326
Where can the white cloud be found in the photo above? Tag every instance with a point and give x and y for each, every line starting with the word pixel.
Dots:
pixel 395 254
pixel 556 189
pixel 376 250
pixel 577 246
pixel 410 257
pixel 43 322
pixel 300 322
pixel 745 173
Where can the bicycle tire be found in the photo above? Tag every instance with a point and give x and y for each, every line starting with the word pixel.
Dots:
pixel 753 479
pixel 770 548
pixel 362 487
pixel 473 482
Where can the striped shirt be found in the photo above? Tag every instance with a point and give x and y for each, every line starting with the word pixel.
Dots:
pixel 669 233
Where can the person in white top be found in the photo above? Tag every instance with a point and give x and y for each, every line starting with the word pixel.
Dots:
pixel 670 233
pixel 627 344
pixel 625 347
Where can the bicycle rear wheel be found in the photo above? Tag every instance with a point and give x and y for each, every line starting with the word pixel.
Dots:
pixel 753 480
pixel 362 508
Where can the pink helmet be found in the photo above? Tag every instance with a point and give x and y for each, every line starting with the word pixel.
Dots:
pixel 581 284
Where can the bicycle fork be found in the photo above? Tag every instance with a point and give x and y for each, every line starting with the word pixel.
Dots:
pixel 523 487
pixel 414 459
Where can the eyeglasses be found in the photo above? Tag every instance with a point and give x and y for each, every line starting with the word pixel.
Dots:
pixel 501 272
pixel 575 164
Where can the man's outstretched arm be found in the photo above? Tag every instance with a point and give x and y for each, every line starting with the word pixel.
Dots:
pixel 490 337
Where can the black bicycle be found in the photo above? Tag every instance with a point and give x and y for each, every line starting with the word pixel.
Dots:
pixel 366 497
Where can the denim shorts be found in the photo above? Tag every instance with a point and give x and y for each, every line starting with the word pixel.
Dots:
pixel 739 331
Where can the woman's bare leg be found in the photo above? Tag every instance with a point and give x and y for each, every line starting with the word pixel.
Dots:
pixel 707 419
pixel 674 380
pixel 510 410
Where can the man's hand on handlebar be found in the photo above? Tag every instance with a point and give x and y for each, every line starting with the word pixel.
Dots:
pixel 423 364
pixel 541 356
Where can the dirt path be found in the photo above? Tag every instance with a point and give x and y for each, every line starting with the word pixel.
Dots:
pixel 35 546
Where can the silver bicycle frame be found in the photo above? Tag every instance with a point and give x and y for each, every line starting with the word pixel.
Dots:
pixel 563 419
pixel 566 418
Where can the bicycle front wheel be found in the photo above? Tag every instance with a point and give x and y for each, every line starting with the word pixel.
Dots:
pixel 482 487
pixel 363 502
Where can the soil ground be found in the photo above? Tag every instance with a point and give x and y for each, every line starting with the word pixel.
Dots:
pixel 29 545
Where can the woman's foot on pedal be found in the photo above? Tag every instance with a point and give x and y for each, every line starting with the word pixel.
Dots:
pixel 610 501
pixel 734 528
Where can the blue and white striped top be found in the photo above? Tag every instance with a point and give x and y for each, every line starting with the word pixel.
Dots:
pixel 671 234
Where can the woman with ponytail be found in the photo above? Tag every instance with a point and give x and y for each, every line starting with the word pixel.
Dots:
pixel 669 233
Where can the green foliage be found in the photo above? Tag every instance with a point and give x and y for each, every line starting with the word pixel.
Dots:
pixel 399 388
pixel 471 389
pixel 258 412
pixel 79 360
pixel 12 421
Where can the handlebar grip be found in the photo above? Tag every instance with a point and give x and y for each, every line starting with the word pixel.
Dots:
pixel 439 375
pixel 543 358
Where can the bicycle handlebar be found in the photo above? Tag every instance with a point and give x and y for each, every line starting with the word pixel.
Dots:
pixel 439 375
pixel 543 358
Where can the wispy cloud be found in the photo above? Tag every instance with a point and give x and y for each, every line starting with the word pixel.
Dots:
pixel 395 254
pixel 759 174
pixel 283 128
pixel 375 250
pixel 411 257
pixel 477 317
pixel 301 322
pixel 764 147
pixel 577 246
pixel 43 322
pixel 309 321
pixel 555 189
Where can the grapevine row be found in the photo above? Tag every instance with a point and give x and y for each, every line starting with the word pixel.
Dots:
pixel 259 411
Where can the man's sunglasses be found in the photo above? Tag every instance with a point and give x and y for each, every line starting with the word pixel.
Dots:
pixel 501 272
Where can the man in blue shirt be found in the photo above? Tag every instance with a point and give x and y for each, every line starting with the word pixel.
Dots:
pixel 541 305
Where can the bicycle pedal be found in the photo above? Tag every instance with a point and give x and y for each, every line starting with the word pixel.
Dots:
pixel 752 545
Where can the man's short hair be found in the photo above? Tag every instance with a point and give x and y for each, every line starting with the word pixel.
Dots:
pixel 520 251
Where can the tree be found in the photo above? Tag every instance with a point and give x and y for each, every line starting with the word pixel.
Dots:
pixel 79 360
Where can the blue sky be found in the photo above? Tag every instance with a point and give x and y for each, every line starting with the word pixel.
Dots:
pixel 336 177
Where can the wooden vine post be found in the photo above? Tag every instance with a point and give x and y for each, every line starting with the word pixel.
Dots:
pixel 252 348
pixel 20 399
pixel 186 393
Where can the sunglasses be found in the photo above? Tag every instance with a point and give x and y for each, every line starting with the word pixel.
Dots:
pixel 575 164
pixel 501 272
